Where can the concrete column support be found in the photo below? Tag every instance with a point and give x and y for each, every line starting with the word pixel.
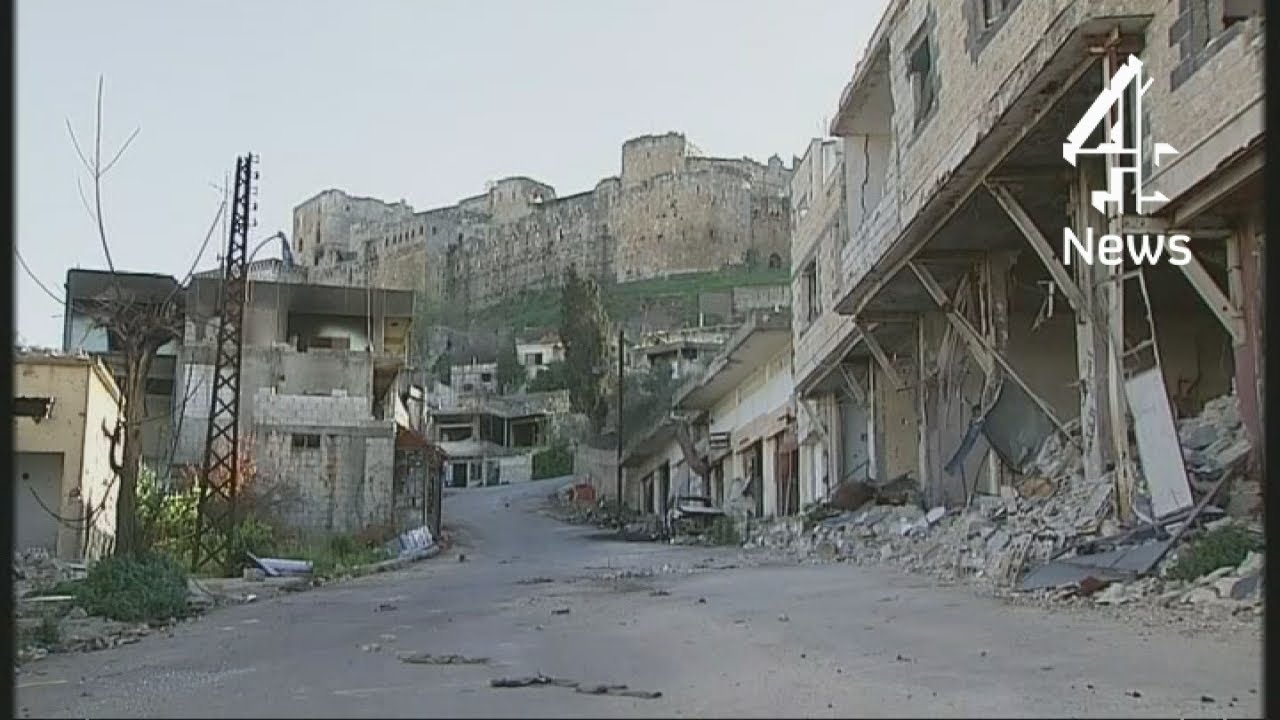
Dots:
pixel 1091 345
pixel 995 287
pixel 1244 264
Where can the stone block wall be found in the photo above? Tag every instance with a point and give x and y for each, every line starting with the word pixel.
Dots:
pixel 668 213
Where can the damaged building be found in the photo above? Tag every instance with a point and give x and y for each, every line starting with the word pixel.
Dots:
pixel 486 439
pixel 82 332
pixel 322 410
pixel 946 328
pixel 729 442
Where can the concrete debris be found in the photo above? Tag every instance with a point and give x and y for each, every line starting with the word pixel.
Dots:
pixel 36 571
pixel 598 689
pixel 450 659
pixel 1054 514
pixel 275 567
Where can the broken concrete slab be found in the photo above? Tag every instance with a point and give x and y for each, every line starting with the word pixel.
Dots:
pixel 1058 573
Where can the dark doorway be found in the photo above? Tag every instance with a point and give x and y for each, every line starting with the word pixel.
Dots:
pixel 755 476
pixel 786 461
pixel 664 488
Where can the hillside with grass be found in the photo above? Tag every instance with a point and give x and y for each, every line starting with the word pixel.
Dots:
pixel 674 297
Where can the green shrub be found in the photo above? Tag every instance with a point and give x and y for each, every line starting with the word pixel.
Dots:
pixel 46 635
pixel 335 554
pixel 167 519
pixel 252 536
pixel 553 462
pixel 148 587
pixel 1226 546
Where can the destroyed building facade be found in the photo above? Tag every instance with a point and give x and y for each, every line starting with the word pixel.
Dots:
pixel 487 439
pixel 670 211
pixel 948 290
pixel 66 407
pixel 322 386
pixel 729 439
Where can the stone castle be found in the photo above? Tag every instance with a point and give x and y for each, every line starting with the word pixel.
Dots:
pixel 671 211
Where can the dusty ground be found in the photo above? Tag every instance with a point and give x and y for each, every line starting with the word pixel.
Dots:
pixel 734 637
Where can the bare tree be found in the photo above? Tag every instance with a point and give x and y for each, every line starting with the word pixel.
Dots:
pixel 138 323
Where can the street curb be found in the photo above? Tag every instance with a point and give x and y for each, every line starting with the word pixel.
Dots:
pixel 274 587
pixel 395 563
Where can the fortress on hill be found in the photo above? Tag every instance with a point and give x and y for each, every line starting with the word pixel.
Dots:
pixel 671 211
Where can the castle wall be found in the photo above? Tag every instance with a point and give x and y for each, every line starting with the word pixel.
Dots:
pixel 667 213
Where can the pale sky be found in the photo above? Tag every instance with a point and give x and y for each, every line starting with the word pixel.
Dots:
pixel 421 100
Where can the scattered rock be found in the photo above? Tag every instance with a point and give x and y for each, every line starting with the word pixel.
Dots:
pixel 659 593
pixel 783 618
pixel 462 557
pixel 1199 596
pixel 1133 693
pixel 560 611
pixel 450 659
pixel 370 647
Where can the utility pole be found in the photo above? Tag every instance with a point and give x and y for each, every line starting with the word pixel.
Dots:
pixel 216 508
pixel 620 393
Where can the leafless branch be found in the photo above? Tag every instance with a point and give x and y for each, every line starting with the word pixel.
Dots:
pixel 84 200
pixel 120 152
pixel 36 279
pixel 75 142
pixel 222 207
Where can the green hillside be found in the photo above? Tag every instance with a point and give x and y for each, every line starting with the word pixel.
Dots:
pixel 679 292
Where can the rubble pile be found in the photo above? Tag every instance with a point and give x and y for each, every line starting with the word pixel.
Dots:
pixel 1054 513
pixel 36 571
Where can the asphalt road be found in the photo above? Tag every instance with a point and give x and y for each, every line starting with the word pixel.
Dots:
pixel 728 638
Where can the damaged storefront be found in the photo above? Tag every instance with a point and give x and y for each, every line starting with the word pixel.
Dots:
pixel 1096 407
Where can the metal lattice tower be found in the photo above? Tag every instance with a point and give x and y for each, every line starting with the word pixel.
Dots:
pixel 216 513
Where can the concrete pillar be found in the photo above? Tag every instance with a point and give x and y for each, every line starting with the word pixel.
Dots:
pixel 1245 281
pixel 924 466
pixel 995 287
pixel 1091 345
pixel 769 476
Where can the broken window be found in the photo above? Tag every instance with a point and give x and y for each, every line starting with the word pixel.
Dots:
pixel 992 10
pixel 813 299
pixel 36 408
pixel 923 76
pixel 1234 11
pixel 305 440
pixel 486 377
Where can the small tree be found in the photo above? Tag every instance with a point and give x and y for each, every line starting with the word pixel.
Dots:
pixel 583 330
pixel 138 323
pixel 510 371
pixel 443 368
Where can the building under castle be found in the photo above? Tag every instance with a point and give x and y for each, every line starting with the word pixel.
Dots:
pixel 671 211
